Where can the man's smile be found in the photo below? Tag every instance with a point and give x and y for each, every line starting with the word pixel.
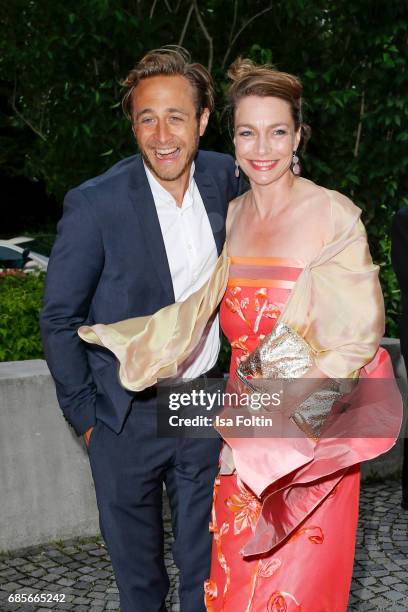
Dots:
pixel 167 154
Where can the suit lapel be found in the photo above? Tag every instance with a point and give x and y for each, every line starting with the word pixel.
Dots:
pixel 143 203
pixel 212 202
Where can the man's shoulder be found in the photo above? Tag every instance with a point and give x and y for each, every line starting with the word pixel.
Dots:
pixel 401 215
pixel 221 168
pixel 210 160
pixel 399 226
pixel 117 174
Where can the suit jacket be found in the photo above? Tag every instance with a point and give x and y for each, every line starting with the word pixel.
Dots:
pixel 399 255
pixel 109 263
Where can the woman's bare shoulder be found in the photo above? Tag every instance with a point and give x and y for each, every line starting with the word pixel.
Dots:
pixel 326 200
pixel 334 212
pixel 310 191
pixel 233 208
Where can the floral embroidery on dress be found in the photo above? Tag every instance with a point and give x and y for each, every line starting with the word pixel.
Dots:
pixel 210 593
pixel 261 306
pixel 314 534
pixel 241 344
pixel 236 305
pixel 264 308
pixel 218 533
pixel 264 569
pixel 278 602
pixel 267 568
pixel 245 506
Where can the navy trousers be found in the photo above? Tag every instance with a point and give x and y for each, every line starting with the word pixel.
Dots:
pixel 129 470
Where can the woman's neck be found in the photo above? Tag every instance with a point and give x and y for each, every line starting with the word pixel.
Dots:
pixel 270 200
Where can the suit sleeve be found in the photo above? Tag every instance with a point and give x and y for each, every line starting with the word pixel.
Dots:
pixel 74 269
pixel 242 185
pixel 399 255
pixel 399 252
pixel 238 185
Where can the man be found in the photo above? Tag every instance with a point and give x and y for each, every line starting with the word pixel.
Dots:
pixel 131 241
pixel 399 253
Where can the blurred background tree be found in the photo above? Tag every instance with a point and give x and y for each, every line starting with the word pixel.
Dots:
pixel 61 66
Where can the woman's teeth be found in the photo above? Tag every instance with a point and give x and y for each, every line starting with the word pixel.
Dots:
pixel 264 165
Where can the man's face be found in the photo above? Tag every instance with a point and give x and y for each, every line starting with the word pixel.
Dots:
pixel 165 125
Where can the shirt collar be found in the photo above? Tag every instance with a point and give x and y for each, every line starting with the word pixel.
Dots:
pixel 160 192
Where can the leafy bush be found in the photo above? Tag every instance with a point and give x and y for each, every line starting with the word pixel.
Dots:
pixel 61 65
pixel 389 284
pixel 20 303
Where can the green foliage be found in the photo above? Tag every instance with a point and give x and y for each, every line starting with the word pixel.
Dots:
pixel 61 65
pixel 389 286
pixel 20 303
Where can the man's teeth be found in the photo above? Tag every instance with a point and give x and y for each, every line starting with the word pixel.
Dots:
pixel 164 152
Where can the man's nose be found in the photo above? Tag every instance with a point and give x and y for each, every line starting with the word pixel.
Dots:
pixel 162 131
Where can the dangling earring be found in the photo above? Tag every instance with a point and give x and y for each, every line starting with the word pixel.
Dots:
pixel 295 164
pixel 236 169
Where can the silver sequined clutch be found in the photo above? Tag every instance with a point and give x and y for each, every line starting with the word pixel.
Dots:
pixel 284 354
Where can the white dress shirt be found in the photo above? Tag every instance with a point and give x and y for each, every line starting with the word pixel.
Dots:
pixel 192 254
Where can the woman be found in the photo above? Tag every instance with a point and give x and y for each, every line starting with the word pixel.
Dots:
pixel 284 529
pixel 285 509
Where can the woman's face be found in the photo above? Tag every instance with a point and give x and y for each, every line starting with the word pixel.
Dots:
pixel 265 138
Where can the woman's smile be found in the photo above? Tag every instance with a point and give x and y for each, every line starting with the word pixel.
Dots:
pixel 263 165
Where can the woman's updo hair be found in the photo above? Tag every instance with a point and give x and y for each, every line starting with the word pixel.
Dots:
pixel 249 79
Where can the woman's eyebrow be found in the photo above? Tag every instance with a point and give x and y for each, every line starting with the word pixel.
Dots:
pixel 273 125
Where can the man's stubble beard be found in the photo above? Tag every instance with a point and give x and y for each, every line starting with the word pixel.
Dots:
pixel 187 165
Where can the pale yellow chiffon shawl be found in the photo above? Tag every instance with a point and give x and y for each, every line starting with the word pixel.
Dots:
pixel 336 305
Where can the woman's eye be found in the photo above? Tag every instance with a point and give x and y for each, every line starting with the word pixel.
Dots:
pixel 245 133
pixel 279 132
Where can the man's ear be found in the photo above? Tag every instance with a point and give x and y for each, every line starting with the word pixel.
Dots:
pixel 205 115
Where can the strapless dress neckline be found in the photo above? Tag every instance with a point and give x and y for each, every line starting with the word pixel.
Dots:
pixel 267 261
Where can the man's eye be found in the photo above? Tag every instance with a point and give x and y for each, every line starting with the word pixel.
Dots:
pixel 175 118
pixel 147 120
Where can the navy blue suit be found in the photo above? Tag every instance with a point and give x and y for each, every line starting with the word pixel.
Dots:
pixel 399 254
pixel 109 263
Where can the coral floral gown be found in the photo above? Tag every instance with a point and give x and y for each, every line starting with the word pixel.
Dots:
pixel 310 571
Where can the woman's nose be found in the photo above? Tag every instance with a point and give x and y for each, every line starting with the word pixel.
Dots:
pixel 262 145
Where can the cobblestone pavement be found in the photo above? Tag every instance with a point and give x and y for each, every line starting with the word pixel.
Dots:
pixel 80 569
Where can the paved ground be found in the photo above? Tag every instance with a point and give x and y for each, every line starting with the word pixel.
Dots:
pixel 81 571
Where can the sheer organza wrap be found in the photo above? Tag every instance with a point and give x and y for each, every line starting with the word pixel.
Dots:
pixel 337 307
pixel 152 347
pixel 337 304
